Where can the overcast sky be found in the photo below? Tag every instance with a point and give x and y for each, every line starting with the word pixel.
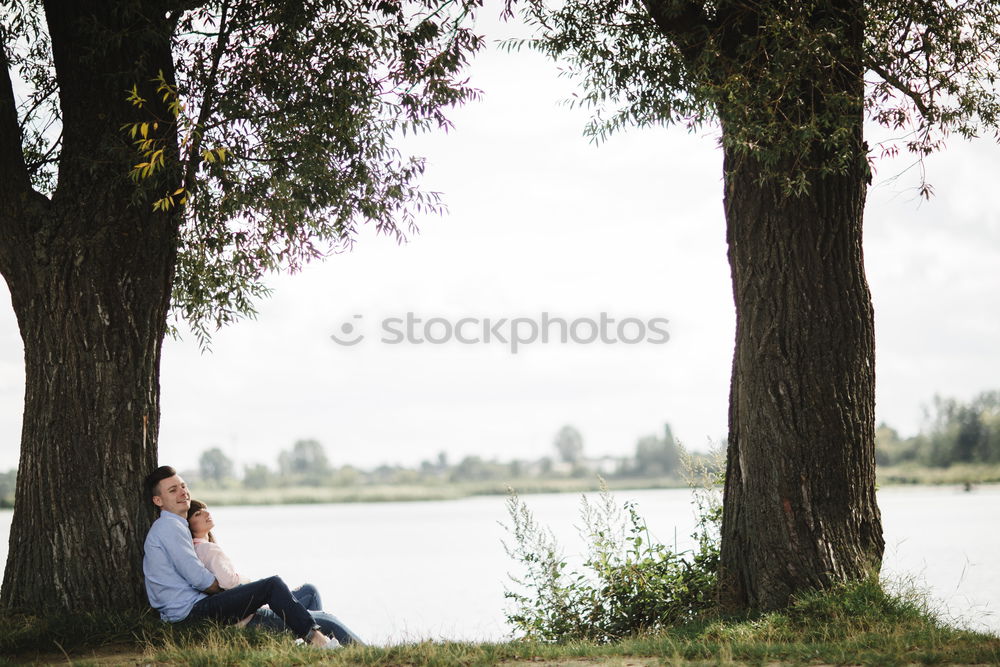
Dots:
pixel 541 221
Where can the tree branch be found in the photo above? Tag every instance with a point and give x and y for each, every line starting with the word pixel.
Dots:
pixel 181 6
pixel 194 158
pixel 14 179
pixel 682 21
pixel 896 83
pixel 18 200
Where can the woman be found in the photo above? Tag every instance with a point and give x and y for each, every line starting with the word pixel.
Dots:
pixel 217 562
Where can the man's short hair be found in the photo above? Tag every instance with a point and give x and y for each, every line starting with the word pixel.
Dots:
pixel 153 479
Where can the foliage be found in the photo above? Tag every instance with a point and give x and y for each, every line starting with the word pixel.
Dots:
pixel 307 99
pixel 305 461
pixel 8 484
pixel 656 456
pixel 257 476
pixel 28 50
pixel 633 585
pixel 569 444
pixel 288 114
pixel 955 432
pixel 770 72
pixel 215 466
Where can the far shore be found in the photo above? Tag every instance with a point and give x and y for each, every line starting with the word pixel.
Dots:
pixel 965 476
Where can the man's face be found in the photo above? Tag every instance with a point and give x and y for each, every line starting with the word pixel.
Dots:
pixel 173 496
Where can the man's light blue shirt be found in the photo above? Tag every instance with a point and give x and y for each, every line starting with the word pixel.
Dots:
pixel 175 578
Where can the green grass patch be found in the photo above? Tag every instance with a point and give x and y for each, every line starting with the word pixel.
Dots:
pixel 856 624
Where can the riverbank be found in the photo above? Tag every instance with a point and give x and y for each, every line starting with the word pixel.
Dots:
pixel 965 475
pixel 856 625
pixel 958 473
pixel 370 493
pixel 968 476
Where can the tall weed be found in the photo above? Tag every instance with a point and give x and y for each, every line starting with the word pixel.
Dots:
pixel 629 584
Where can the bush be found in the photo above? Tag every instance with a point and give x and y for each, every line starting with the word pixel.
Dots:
pixel 630 584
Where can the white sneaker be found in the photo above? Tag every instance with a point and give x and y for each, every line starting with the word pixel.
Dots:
pixel 333 643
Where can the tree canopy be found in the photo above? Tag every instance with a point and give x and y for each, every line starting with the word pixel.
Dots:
pixel 931 71
pixel 162 156
pixel 791 87
pixel 287 114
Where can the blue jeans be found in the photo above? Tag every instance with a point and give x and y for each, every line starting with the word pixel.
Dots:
pixel 237 603
pixel 328 624
pixel 308 597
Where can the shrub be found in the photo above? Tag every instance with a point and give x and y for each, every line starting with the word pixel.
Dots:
pixel 629 585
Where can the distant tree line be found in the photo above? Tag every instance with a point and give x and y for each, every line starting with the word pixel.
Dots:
pixel 954 432
pixel 307 464
pixel 7 484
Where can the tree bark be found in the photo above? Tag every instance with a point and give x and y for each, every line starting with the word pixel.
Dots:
pixel 90 274
pixel 799 510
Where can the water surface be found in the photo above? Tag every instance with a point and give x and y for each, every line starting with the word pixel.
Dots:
pixel 407 571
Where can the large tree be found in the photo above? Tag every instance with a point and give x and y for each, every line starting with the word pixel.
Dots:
pixel 789 84
pixel 167 154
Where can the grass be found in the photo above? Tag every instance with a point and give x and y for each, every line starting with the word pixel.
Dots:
pixel 856 624
pixel 957 473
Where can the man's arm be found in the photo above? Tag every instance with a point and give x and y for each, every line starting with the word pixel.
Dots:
pixel 180 550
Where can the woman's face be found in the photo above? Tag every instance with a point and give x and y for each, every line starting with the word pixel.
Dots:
pixel 200 522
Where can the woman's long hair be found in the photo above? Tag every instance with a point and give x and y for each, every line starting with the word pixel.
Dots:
pixel 197 506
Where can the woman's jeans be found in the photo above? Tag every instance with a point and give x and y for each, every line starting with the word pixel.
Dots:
pixel 308 597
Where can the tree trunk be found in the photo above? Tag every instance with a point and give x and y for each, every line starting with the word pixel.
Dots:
pixel 799 510
pixel 90 274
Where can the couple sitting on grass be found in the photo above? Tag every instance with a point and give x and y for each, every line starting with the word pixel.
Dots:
pixel 189 577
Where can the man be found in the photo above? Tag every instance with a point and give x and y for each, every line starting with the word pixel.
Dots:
pixel 181 588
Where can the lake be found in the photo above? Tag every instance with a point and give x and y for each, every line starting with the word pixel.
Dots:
pixel 407 571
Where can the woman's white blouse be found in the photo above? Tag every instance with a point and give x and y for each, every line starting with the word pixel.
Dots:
pixel 215 559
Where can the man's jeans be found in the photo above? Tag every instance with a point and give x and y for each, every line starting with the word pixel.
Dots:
pixel 238 603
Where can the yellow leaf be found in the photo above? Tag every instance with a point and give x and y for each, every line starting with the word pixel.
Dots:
pixel 145 130
pixel 178 191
